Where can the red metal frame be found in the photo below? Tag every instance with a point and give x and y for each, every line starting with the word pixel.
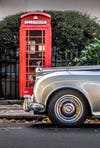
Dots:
pixel 35 45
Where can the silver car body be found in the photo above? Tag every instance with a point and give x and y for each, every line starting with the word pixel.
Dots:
pixel 85 82
pixel 66 95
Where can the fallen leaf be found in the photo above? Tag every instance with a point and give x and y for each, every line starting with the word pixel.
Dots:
pixel 47 120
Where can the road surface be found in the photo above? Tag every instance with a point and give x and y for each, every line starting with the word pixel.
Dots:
pixel 41 135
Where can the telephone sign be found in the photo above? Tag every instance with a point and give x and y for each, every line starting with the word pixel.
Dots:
pixel 35 22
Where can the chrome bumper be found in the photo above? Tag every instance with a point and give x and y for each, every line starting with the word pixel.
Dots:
pixel 30 105
pixel 37 107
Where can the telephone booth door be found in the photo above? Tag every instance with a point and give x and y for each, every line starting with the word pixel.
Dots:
pixel 35 46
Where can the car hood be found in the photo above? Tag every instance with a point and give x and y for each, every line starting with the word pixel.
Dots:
pixel 45 71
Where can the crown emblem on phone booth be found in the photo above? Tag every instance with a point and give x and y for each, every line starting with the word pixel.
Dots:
pixel 35 17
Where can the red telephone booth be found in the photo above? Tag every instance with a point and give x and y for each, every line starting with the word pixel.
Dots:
pixel 35 46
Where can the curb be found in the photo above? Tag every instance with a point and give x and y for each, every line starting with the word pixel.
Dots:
pixel 10 102
pixel 21 117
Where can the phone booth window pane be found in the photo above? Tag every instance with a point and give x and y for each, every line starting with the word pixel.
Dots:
pixel 27 62
pixel 27 48
pixel 26 55
pixel 26 77
pixel 26 32
pixel 35 33
pixel 32 46
pixel 36 47
pixel 34 63
pixel 32 55
pixel 36 55
pixel 26 84
pixel 32 69
pixel 35 41
pixel 26 69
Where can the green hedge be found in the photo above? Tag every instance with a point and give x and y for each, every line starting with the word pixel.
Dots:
pixel 91 54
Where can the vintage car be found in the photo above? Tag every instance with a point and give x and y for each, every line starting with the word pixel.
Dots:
pixel 67 96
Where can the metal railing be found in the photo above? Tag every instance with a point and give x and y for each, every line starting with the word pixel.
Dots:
pixel 9 79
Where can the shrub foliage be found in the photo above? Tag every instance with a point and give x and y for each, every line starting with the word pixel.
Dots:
pixel 91 54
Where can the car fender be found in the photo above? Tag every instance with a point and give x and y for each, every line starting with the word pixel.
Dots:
pixel 75 88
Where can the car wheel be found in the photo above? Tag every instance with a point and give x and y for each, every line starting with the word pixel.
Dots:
pixel 67 108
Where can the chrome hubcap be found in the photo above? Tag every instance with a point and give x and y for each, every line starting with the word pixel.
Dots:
pixel 68 108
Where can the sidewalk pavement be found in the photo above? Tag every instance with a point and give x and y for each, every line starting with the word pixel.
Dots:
pixel 15 111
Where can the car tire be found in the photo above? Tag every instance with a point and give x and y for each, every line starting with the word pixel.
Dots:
pixel 67 108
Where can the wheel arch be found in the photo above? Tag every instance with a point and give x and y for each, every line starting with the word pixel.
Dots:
pixel 73 89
